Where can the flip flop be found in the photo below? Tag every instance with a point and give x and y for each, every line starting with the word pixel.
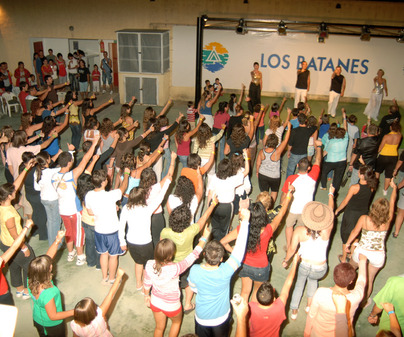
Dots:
pixel 188 311
pixel 395 235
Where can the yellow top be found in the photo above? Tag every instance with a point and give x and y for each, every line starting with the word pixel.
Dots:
pixel 131 134
pixel 87 218
pixel 256 77
pixel 74 117
pixel 6 213
pixel 390 149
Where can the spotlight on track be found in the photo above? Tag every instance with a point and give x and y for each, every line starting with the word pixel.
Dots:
pixel 401 37
pixel 365 35
pixel 322 32
pixel 241 27
pixel 282 28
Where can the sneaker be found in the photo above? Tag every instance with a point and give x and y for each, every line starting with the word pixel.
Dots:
pixel 25 296
pixel 71 256
pixel 81 259
pixel 19 294
pixel 103 91
pixel 293 316
pixel 384 192
pixel 111 92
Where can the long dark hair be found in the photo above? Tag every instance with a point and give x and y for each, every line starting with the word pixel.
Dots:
pixel 203 135
pixel 84 185
pixel 238 135
pixel 232 102
pixel 183 128
pixel 222 107
pixel 258 220
pixel 42 161
pixel 48 125
pixel 185 190
pixel 369 176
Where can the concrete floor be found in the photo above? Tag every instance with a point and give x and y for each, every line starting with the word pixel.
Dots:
pixel 129 316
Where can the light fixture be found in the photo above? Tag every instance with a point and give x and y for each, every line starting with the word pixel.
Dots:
pixel 322 32
pixel 401 36
pixel 245 2
pixel 242 27
pixel 282 28
pixel 365 35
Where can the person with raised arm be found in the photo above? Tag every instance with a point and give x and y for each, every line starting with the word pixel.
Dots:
pixel 65 182
pixel 206 103
pixel 211 283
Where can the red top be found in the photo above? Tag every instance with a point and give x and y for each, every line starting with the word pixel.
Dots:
pixel 17 75
pixel 259 258
pixel 22 96
pixel 46 70
pixel 261 123
pixel 184 149
pixel 266 322
pixel 62 68
pixel 96 75
pixel 3 282
pixel 220 119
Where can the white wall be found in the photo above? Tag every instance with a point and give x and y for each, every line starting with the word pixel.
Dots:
pixel 278 57
pixel 57 45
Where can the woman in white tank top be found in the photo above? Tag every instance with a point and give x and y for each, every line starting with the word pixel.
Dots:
pixel 313 239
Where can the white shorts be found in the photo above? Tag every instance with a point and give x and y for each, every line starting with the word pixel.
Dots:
pixel 96 86
pixel 376 257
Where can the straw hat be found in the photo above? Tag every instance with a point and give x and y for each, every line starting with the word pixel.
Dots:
pixel 317 216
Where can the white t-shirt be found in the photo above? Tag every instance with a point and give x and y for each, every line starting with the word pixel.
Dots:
pixel 175 201
pixel 44 185
pixel 225 188
pixel 154 192
pixel 246 186
pixel 103 206
pixel 65 186
pixel 72 63
pixel 138 219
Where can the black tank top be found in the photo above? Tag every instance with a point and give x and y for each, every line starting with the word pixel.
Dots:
pixel 361 200
pixel 336 83
pixel 301 82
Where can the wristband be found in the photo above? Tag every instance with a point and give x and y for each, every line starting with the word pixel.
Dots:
pixel 26 227
pixel 53 136
pixel 204 240
pixel 159 151
pixel 331 193
pixel 126 173
pixel 391 312
pixel 66 113
pixel 288 197
pixel 24 249
pixel 214 202
pixel 25 169
pixel 319 146
pixel 65 83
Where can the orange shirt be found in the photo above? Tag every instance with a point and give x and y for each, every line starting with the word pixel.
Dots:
pixel 192 175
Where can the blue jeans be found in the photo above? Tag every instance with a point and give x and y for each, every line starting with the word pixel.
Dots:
pixel 54 219
pixel 259 134
pixel 93 258
pixel 183 160
pixel 74 83
pixel 166 162
pixel 292 163
pixel 76 135
pixel 311 274
pixel 354 177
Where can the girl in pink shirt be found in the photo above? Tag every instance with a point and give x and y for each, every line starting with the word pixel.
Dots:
pixel 90 319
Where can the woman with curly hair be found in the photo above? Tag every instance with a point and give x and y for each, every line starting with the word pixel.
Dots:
pixel 182 231
pixel 137 214
pixel 30 129
pixel 185 194
pixel 357 203
pixel 48 312
pixel 223 185
pixel 256 268
pixel 240 137
pixel 221 119
pixel 149 113
pixel 373 228
pixel 276 127
pixel 183 139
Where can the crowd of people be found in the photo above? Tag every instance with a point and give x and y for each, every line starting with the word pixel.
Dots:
pixel 110 188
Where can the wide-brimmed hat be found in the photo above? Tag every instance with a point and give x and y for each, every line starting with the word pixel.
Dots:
pixel 317 216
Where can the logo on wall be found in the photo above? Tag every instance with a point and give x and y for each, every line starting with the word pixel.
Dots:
pixel 214 57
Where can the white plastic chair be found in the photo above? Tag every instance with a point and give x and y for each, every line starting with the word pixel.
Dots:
pixel 8 320
pixel 11 100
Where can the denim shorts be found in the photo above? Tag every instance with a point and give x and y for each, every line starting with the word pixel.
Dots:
pixel 83 86
pixel 255 274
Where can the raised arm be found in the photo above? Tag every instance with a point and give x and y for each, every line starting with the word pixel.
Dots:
pixel 239 248
pixel 282 106
pixel 48 142
pixel 285 205
pixel 106 303
pixel 124 184
pixel 171 169
pixel 62 126
pixel 52 250
pixel 9 253
pixel 344 122
pixel 195 130
pixel 393 198
pixel 318 145
pixel 20 179
pixel 211 161
pixel 165 109
pixel 240 99
pixel 289 280
pixel 343 87
pixel 102 106
pixel 285 141
pixel 246 163
pixel 86 158
pixel 351 192
pixel 204 218
pixel 214 99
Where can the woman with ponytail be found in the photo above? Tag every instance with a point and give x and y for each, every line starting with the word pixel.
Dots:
pixel 356 204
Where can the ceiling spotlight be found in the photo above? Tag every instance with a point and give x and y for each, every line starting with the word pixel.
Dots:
pixel 365 35
pixel 245 2
pixel 242 27
pixel 282 28
pixel 400 38
pixel 322 32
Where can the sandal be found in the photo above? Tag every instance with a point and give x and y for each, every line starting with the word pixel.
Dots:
pixel 395 235
pixel 188 311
